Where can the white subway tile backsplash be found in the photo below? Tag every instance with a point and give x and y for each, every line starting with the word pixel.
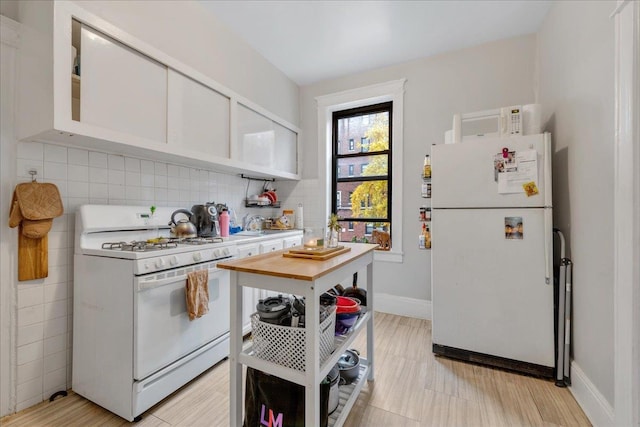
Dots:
pixel 98 201
pixel 148 167
pixel 78 173
pixel 58 239
pixel 54 170
pixel 55 361
pixel 160 169
pixel 161 181
pixel 116 177
pixel 55 153
pixel 99 175
pixel 30 334
pixel 148 194
pixel 25 165
pixel 173 195
pixel 132 178
pixel 29 352
pixel 30 295
pixel 30 371
pixel 30 315
pixel 115 162
pixel 132 193
pixel 147 180
pixel 131 164
pixel 54 327
pixel 173 171
pixel 31 151
pixel 55 344
pixel 60 223
pixel 78 189
pixel 55 380
pixel 24 404
pixel 98 160
pixel 77 156
pixel 55 292
pixel 98 191
pixel 29 390
pixel 55 309
pixel 73 203
pixel 161 195
pixel 116 192
pixel 185 172
pixel 173 183
pixel 57 274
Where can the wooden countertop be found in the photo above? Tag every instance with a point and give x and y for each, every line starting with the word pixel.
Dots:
pixel 274 264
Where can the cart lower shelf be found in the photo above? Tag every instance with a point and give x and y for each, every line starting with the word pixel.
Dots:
pixel 348 396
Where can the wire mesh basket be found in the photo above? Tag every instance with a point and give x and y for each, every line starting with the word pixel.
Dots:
pixel 285 345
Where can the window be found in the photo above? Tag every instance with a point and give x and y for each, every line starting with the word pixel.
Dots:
pixel 364 144
pixel 338 171
pixel 339 198
pixel 369 191
pixel 327 105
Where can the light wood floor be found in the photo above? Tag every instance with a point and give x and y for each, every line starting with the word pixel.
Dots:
pixel 412 388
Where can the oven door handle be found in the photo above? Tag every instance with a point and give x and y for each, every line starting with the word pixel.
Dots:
pixel 144 285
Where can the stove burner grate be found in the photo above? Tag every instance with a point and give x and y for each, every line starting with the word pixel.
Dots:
pixel 140 245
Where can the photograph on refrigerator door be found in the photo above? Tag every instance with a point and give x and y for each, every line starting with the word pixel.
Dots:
pixel 513 228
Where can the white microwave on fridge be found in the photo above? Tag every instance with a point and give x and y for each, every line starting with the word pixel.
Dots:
pixel 509 121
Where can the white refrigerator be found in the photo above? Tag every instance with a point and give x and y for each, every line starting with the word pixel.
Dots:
pixel 492 267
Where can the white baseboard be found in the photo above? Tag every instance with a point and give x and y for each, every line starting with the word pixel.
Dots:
pixel 403 306
pixel 592 402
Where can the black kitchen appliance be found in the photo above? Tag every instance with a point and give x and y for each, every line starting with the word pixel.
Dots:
pixel 205 218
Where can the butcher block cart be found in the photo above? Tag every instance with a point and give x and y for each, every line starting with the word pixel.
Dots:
pixel 308 278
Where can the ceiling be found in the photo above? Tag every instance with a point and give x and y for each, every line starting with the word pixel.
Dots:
pixel 316 40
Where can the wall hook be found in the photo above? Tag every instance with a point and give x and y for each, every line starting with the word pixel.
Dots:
pixel 33 174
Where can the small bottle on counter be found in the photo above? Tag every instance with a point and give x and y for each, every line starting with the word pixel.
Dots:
pixel 421 238
pixel 224 223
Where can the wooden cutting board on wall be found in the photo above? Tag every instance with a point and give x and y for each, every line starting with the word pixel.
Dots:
pixel 33 257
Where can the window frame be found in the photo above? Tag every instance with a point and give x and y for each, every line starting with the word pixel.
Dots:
pixel 349 114
pixel 391 90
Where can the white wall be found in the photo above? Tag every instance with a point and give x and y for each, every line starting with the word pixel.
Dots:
pixel 39 361
pixel 576 90
pixel 488 76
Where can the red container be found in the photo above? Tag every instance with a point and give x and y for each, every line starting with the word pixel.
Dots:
pixel 347 305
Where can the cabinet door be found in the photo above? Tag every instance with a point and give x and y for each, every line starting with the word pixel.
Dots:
pixel 270 246
pixel 122 90
pixel 292 241
pixel 198 116
pixel 255 142
pixel 286 151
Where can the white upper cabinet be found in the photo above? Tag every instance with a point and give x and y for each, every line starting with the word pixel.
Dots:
pixel 121 89
pixel 266 143
pixel 198 116
pixel 122 95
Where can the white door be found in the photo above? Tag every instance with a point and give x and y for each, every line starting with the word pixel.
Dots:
pixel 163 332
pixel 489 292
pixel 463 174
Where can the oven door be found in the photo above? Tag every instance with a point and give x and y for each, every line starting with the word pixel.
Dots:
pixel 163 332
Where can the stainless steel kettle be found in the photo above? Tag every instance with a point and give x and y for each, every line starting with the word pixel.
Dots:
pixel 184 228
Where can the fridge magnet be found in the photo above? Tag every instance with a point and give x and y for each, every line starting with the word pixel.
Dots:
pixel 530 188
pixel 513 228
pixel 505 161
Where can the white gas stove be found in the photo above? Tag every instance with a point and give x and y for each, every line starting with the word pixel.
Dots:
pixel 133 342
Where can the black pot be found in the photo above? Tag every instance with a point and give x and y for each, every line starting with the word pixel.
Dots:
pixel 334 395
pixel 274 310
pixel 349 365
pixel 356 292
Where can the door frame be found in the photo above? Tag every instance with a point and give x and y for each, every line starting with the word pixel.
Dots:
pixel 627 214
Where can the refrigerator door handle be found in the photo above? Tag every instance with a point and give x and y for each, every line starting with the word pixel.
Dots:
pixel 548 243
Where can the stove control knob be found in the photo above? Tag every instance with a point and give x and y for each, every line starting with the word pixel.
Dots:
pixel 146 266
pixel 173 260
pixel 226 251
pixel 216 253
pixel 159 263
pixel 197 256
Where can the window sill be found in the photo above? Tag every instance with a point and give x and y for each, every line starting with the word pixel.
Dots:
pixel 388 256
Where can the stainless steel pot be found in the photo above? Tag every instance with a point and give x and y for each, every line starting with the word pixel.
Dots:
pixel 334 393
pixel 184 228
pixel 349 365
